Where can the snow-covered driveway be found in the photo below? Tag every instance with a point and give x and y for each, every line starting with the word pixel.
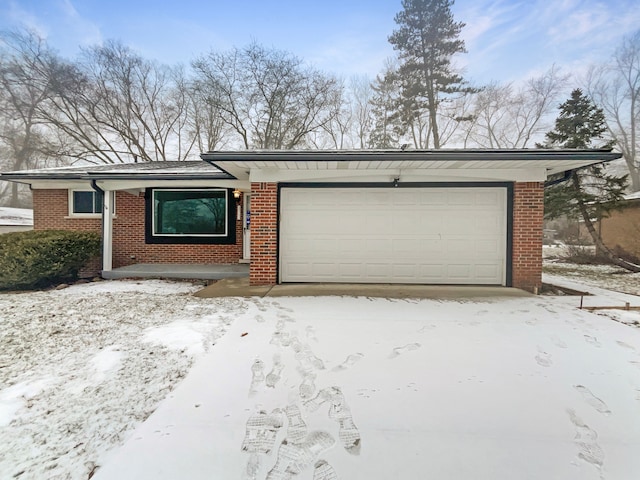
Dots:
pixel 358 388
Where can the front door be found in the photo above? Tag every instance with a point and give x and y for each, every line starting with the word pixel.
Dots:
pixel 246 227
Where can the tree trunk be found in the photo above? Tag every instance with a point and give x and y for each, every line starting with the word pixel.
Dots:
pixel 597 239
pixel 14 200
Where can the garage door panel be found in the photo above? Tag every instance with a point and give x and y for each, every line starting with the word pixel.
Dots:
pixel 405 247
pixel 403 221
pixel 487 198
pixel 461 246
pixel 351 270
pixel 377 198
pixel 460 273
pixel 461 197
pixel 432 273
pixel 491 248
pixel 486 272
pixel 405 271
pixel 404 235
pixel 431 197
pixel 430 247
pixel 378 270
pixel 405 197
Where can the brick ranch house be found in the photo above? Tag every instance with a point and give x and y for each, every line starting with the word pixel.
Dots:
pixel 357 216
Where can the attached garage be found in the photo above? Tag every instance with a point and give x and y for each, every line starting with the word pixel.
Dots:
pixel 464 217
pixel 422 234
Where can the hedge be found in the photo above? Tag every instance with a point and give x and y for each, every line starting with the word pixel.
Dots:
pixel 40 258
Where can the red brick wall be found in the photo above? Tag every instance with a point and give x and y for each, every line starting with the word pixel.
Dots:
pixel 264 215
pixel 51 208
pixel 528 212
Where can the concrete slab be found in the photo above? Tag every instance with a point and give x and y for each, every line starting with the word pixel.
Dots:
pixel 164 270
pixel 239 287
pixel 233 287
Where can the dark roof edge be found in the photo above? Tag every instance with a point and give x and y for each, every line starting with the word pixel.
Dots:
pixel 604 155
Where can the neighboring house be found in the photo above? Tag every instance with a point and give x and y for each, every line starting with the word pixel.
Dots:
pixel 15 219
pixel 385 216
pixel 621 229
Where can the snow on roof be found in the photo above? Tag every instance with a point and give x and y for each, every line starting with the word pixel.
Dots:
pixel 197 167
pixel 632 196
pixel 16 216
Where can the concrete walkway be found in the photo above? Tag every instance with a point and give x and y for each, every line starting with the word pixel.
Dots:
pixel 239 287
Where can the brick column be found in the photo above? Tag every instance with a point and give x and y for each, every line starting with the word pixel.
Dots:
pixel 528 212
pixel 264 231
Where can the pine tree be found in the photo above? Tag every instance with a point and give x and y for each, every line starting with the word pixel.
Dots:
pixel 590 192
pixel 427 38
pixel 385 131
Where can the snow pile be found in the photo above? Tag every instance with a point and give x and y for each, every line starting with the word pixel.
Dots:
pixel 81 367
pixel 16 216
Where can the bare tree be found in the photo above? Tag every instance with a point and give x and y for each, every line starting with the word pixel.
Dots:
pixel 506 117
pixel 204 119
pixel 616 88
pixel 268 97
pixel 118 106
pixel 336 132
pixel 361 94
pixel 26 141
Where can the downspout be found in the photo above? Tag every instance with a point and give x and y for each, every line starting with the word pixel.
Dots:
pixel 107 229
pixel 564 178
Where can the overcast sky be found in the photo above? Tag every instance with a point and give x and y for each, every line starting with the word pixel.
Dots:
pixel 507 40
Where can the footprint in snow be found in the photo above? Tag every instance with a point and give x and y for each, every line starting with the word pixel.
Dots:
pixel 592 400
pixel 543 358
pixel 406 348
pixel 586 439
pixel 324 471
pixel 592 340
pixel 625 345
pixel 351 360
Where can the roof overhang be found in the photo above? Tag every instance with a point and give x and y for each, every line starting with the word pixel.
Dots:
pixel 123 176
pixel 349 163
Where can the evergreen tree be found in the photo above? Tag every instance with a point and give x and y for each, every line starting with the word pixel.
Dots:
pixel 385 131
pixel 427 38
pixel 590 192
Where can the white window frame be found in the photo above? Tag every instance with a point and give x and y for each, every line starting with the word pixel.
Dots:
pixel 73 214
pixel 189 235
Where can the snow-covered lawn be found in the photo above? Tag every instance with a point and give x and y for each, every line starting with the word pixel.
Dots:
pixel 603 276
pixel 318 388
pixel 81 367
pixel 16 216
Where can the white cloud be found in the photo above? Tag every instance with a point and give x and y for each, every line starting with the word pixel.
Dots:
pixel 84 30
pixel 19 16
pixel 59 22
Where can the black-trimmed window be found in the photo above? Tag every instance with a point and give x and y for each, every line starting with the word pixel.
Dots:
pixel 189 215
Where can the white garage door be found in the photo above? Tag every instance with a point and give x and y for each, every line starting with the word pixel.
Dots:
pixel 393 235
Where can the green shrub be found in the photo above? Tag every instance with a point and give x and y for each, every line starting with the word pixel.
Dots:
pixel 40 258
